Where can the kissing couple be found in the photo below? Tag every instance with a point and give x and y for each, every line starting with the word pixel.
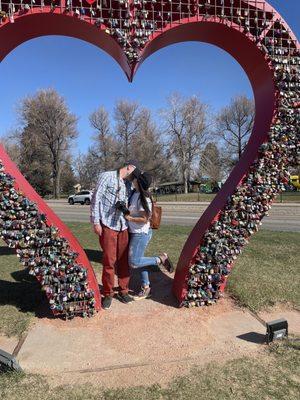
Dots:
pixel 121 210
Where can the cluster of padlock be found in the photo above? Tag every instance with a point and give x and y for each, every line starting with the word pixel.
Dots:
pixel 130 26
pixel 144 17
pixel 251 201
pixel 132 22
pixel 42 250
pixel 10 8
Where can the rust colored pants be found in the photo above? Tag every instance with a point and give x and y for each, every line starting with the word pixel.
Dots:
pixel 115 260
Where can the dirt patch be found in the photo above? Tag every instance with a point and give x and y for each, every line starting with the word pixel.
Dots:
pixel 286 311
pixel 8 344
pixel 145 342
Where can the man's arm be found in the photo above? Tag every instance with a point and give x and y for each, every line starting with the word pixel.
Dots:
pixel 95 216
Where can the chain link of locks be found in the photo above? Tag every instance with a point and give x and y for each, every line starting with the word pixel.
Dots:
pixel 42 250
pixel 251 201
pixel 132 24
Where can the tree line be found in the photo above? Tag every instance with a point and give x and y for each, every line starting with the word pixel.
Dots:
pixel 184 140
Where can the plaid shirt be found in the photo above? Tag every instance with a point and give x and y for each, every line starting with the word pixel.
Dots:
pixel 104 199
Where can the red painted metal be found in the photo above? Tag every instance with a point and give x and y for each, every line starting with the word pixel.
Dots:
pixel 257 68
pixel 23 185
pixel 230 38
pixel 213 30
pixel 41 23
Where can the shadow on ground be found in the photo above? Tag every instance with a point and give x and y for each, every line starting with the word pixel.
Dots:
pixel 25 294
pixel 6 251
pixel 161 287
pixel 161 284
pixel 94 255
pixel 253 337
pixel 24 291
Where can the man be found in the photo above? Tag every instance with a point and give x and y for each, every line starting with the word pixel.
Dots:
pixel 110 225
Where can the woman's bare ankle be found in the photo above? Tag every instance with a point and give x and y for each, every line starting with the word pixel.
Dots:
pixel 163 257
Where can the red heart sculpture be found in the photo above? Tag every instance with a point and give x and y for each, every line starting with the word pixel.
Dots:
pixel 130 31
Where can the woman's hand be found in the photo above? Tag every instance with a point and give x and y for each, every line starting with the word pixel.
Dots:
pixel 139 219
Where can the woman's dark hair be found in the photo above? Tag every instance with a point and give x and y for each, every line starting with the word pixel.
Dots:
pixel 144 194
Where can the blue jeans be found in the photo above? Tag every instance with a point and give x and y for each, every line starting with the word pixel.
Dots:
pixel 137 246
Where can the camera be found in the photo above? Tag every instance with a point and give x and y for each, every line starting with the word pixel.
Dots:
pixel 121 206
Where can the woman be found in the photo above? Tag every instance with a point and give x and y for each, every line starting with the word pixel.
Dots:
pixel 140 207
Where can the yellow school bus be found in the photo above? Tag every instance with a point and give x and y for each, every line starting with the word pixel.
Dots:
pixel 295 181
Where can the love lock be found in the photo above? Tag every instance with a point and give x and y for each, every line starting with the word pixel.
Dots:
pixel 35 239
pixel 131 31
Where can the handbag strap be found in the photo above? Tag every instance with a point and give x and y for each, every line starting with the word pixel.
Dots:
pixel 153 203
pixel 119 186
pixel 131 194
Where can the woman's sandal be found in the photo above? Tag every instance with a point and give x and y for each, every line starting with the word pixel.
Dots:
pixel 166 262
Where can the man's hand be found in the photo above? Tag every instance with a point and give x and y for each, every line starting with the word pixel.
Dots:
pixel 98 229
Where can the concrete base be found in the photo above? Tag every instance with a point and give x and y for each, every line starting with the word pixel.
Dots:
pixel 142 343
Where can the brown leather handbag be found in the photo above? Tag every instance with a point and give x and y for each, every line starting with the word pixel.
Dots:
pixel 156 214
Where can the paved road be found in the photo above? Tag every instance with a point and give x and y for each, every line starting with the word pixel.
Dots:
pixel 283 217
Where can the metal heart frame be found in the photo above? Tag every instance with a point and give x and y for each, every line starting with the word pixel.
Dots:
pixel 130 31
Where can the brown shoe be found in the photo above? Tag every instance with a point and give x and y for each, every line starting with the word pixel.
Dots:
pixel 166 262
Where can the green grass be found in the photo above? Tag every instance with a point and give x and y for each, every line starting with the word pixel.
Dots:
pixel 268 271
pixel 274 375
pixel 192 197
pixel 265 274
pixel 19 294
pixel 290 197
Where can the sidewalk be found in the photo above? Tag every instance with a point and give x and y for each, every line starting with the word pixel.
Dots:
pixel 207 203
pixel 143 343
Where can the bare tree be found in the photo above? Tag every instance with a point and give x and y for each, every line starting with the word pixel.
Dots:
pixel 148 148
pixel 32 159
pixel 136 136
pixel 10 143
pixel 105 149
pixel 87 169
pixel 234 124
pixel 68 178
pixel 186 129
pixel 210 164
pixel 127 123
pixel 48 123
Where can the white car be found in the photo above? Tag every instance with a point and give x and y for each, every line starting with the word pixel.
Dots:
pixel 83 197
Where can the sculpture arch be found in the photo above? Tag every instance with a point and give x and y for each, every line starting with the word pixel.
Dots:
pixel 130 31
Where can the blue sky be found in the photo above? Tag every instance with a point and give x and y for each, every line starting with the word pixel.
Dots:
pixel 87 77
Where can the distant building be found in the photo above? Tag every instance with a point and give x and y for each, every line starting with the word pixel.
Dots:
pixel 176 187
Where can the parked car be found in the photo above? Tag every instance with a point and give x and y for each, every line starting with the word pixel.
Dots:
pixel 83 197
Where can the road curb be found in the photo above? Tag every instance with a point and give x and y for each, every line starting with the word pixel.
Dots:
pixel 206 203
